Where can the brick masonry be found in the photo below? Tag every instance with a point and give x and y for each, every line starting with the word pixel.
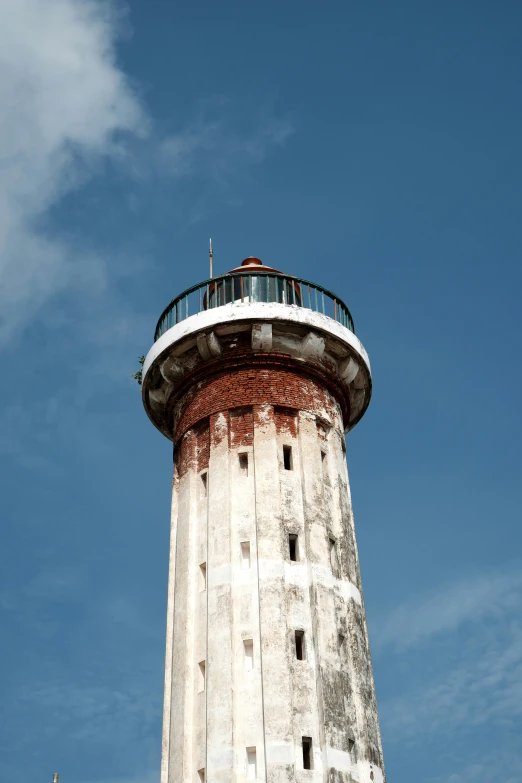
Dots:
pixel 240 388
pixel 241 430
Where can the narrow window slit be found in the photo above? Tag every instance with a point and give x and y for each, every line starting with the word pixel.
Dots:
pixel 287 457
pixel 201 679
pixel 251 763
pixel 243 464
pixel 324 465
pixel 248 644
pixel 245 555
pixel 332 552
pixel 292 545
pixel 307 753
pixel 202 577
pixel 299 645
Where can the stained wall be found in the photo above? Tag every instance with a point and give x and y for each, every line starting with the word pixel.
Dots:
pixel 259 459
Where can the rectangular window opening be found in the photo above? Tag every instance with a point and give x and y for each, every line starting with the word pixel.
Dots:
pixel 287 457
pixel 324 465
pixel 332 551
pixel 248 644
pixel 341 640
pixel 292 545
pixel 204 485
pixel 243 464
pixel 307 753
pixel 251 763
pixel 299 645
pixel 201 678
pixel 202 577
pixel 245 555
pixel 201 773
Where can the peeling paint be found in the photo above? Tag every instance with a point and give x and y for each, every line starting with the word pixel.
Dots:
pixel 257 416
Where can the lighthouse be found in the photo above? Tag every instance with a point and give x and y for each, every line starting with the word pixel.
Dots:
pixel 256 376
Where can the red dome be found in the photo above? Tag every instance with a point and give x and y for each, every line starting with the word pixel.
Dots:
pixel 254 264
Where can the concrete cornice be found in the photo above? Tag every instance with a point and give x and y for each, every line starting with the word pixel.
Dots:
pixel 249 312
pixel 318 343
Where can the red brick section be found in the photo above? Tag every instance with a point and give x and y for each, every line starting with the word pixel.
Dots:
pixel 286 421
pixel 219 428
pixel 185 454
pixel 321 431
pixel 241 427
pixel 240 388
pixel 202 446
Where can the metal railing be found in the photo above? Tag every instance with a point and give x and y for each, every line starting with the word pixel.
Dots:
pixel 253 287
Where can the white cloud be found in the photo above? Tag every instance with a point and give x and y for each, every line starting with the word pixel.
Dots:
pixel 66 107
pixel 500 764
pixel 216 151
pixel 484 689
pixel 479 680
pixel 450 607
pixel 214 146
pixel 65 103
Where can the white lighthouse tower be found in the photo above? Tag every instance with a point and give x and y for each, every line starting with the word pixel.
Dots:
pixel 256 376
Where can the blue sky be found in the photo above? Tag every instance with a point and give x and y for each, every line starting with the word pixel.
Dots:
pixel 371 147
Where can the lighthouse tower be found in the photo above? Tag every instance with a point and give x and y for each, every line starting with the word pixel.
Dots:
pixel 255 376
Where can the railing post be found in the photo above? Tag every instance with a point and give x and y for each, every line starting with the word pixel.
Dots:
pixel 287 290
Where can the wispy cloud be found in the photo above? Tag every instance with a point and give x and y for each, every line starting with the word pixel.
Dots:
pixel 485 688
pixel 95 712
pixel 109 699
pixel 498 765
pixel 450 607
pixel 217 151
pixel 219 142
pixel 472 673
pixel 68 107
pixel 66 104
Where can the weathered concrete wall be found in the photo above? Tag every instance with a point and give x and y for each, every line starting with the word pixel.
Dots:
pixel 169 661
pixel 246 478
pixel 184 622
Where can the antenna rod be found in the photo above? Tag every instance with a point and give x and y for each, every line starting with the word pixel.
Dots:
pixel 210 254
